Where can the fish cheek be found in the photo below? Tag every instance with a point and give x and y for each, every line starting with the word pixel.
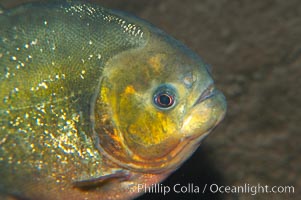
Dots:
pixel 148 133
pixel 130 126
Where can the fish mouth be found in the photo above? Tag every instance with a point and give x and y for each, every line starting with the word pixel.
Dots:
pixel 206 94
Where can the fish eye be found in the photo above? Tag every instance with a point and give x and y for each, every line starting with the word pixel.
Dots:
pixel 164 97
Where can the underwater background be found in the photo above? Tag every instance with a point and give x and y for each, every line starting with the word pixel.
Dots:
pixel 254 48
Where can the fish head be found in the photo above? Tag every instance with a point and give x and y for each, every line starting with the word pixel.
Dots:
pixel 155 105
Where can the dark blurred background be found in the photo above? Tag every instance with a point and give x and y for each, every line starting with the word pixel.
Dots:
pixel 254 48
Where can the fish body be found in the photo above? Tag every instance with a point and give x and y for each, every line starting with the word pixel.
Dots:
pixel 94 102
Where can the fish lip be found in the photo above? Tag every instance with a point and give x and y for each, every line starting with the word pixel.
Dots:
pixel 206 94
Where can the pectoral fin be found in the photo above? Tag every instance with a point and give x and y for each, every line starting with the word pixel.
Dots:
pixel 87 184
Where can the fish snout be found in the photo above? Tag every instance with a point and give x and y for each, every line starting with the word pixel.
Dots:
pixel 206 113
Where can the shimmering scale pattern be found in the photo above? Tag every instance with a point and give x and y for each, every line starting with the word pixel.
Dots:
pixel 51 63
pixel 128 28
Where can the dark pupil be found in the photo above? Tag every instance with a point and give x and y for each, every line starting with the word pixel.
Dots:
pixel 165 100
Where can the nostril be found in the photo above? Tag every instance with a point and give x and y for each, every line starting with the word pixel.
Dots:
pixel 189 79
